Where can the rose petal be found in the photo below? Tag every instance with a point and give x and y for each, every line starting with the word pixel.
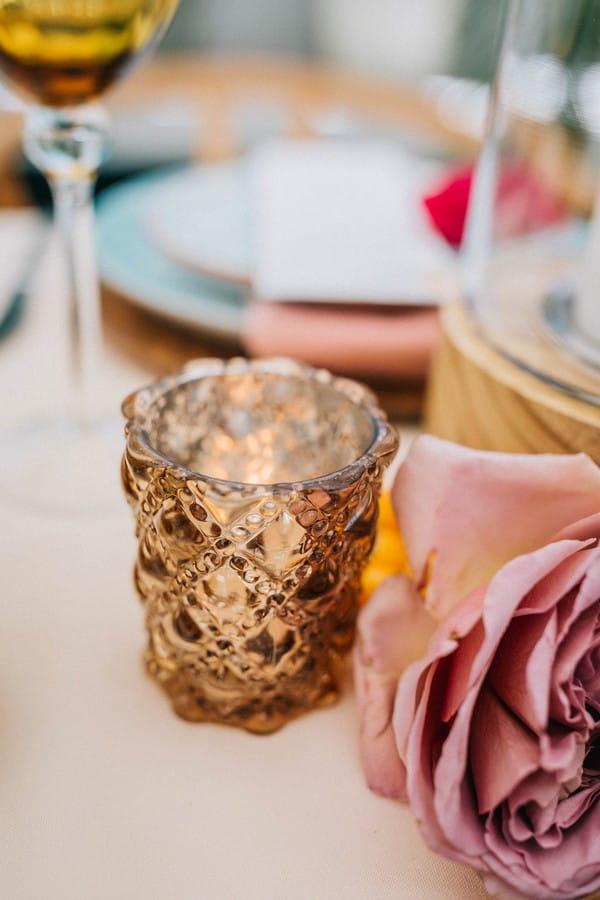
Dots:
pixel 539 789
pixel 493 726
pixel 567 702
pixel 517 826
pixel 579 626
pixel 582 530
pixel 571 809
pixel 450 499
pixel 393 630
pixel 394 627
pixel 384 770
pixel 543 818
pixel 421 736
pixel 562 754
pixel 510 585
pixel 571 872
pixel 552 589
pixel 524 820
pixel 454 807
pixel 589 592
pixel 461 671
pixel 498 888
pixel 522 670
pixel 422 746
pixel 443 643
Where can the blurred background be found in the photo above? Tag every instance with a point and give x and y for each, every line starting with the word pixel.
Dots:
pixel 227 76
pixel 390 38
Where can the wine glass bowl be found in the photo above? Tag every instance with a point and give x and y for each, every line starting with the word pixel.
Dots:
pixel 66 52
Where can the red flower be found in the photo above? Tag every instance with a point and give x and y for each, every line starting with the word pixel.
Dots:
pixel 524 204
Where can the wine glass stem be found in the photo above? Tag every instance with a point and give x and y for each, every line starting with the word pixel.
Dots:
pixel 73 212
pixel 68 146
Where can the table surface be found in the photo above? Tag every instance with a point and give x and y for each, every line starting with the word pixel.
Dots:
pixel 104 793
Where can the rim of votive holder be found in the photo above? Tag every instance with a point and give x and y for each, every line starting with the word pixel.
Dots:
pixel 138 404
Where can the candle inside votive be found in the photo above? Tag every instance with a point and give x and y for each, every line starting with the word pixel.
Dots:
pixel 260 427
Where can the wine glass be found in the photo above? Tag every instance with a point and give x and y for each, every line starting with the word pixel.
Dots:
pixel 60 55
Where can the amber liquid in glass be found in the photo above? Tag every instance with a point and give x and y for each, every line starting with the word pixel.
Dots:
pixel 65 52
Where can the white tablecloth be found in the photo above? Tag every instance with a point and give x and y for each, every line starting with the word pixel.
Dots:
pixel 104 793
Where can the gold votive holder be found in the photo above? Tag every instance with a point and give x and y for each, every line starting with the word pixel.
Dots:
pixel 255 489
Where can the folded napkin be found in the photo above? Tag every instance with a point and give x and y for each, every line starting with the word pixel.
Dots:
pixel 348 269
pixel 386 343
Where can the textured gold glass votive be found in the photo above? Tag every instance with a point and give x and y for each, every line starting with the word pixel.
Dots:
pixel 255 488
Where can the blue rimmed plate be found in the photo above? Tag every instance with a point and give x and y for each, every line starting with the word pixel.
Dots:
pixel 131 264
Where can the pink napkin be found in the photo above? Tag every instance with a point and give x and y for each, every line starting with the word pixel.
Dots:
pixel 379 342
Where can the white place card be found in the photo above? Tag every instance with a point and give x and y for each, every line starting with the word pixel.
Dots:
pixel 343 221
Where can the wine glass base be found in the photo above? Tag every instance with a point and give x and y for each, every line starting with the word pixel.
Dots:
pixel 63 467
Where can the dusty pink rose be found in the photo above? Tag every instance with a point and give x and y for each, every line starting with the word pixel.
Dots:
pixel 493 733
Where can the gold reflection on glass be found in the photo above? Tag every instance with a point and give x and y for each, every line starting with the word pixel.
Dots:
pixel 255 489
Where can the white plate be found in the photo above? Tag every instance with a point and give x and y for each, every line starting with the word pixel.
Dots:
pixel 181 243
pixel 206 218
pixel 202 218
pixel 132 265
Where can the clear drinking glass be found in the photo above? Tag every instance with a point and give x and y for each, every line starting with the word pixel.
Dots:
pixel 532 244
pixel 61 55
pixel 255 487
